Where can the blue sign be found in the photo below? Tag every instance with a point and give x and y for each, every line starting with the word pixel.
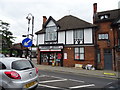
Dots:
pixel 27 42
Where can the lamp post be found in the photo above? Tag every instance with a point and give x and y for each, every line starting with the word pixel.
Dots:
pixel 30 17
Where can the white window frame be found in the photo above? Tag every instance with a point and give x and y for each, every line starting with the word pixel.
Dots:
pixel 79 53
pixel 78 36
pixel 103 36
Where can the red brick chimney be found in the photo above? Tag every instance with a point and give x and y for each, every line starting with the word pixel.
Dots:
pixel 44 19
pixel 94 8
pixel 94 11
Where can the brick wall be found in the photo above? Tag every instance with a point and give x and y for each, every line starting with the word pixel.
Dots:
pixel 105 27
pixel 89 56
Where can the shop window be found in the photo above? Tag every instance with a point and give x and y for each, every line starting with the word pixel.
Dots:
pixel 44 58
pixel 103 36
pixel 79 53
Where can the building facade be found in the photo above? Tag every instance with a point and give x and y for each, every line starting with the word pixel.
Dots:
pixel 107 38
pixel 66 42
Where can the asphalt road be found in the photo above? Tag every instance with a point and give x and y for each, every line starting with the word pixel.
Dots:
pixel 69 81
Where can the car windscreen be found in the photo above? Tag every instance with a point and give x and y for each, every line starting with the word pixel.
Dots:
pixel 22 65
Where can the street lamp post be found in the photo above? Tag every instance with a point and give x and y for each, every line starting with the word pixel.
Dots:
pixel 30 17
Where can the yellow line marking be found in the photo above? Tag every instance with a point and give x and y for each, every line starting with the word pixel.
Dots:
pixel 113 74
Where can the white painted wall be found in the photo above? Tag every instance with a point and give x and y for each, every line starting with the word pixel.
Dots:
pixel 69 37
pixel 61 37
pixel 51 23
pixel 40 39
pixel 88 38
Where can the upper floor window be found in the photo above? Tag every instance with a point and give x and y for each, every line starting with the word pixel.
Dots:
pixel 51 33
pixel 103 36
pixel 78 37
pixel 104 16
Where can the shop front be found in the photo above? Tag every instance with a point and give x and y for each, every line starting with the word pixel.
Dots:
pixel 51 55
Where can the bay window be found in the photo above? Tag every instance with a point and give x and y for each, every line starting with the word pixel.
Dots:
pixel 51 33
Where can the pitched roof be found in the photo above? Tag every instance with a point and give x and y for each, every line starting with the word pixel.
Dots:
pixel 70 23
pixel 113 14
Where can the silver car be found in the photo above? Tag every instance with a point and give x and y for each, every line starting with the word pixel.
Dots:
pixel 17 73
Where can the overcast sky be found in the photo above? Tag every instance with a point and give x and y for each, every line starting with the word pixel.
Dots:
pixel 16 11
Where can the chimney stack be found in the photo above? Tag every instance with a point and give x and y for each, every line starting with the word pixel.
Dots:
pixel 44 19
pixel 94 8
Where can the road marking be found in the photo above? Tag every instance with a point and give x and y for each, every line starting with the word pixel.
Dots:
pixel 43 76
pixel 52 81
pixel 82 86
pixel 76 80
pixel 51 76
pixel 112 74
pixel 57 77
pixel 49 86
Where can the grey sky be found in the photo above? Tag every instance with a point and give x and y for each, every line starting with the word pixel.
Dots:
pixel 16 11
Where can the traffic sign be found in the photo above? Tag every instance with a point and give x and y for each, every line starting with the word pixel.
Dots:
pixel 27 42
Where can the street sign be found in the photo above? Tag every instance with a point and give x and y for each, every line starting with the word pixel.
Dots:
pixel 27 42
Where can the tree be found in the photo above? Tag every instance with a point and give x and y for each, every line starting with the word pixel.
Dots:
pixel 7 37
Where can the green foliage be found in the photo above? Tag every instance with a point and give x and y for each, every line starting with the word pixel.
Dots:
pixel 7 37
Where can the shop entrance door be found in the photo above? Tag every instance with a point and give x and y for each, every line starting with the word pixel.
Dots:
pixel 51 58
pixel 55 59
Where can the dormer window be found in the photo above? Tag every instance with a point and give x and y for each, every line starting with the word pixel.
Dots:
pixel 105 16
pixel 51 33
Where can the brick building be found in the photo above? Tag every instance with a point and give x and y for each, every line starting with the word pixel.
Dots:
pixel 107 38
pixel 66 42
pixel 78 42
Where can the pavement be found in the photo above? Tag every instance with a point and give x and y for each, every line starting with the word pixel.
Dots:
pixel 97 73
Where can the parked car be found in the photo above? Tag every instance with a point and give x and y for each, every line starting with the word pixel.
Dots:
pixel 17 73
